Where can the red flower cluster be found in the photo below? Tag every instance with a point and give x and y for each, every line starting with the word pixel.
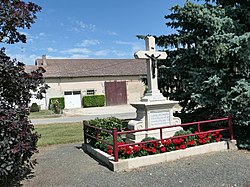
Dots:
pixel 208 137
pixel 163 146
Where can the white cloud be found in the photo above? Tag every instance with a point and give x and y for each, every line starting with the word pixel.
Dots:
pixel 134 45
pixel 77 50
pixel 79 56
pixel 102 53
pixel 121 53
pixel 79 26
pixel 50 49
pixel 86 43
pixel 26 59
pixel 111 33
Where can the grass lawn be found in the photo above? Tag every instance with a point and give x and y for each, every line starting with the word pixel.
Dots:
pixel 43 114
pixel 59 133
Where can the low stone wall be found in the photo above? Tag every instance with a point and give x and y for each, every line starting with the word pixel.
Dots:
pixel 127 164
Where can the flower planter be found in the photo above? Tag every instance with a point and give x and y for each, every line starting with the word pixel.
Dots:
pixel 127 164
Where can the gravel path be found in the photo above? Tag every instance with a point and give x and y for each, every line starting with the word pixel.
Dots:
pixel 67 165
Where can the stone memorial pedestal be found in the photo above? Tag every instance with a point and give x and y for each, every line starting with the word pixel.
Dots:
pixel 150 115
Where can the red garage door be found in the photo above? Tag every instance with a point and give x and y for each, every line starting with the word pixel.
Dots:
pixel 116 93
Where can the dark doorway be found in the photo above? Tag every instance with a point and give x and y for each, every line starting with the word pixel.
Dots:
pixel 116 93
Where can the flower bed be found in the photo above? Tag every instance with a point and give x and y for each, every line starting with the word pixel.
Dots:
pixel 155 146
pixel 110 140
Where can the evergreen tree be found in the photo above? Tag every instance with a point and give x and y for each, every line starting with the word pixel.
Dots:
pixel 208 64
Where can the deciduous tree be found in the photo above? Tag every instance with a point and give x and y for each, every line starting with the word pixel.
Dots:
pixel 17 136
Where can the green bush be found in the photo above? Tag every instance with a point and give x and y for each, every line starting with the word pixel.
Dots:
pixel 34 107
pixel 185 132
pixel 148 139
pixel 109 139
pixel 93 101
pixel 59 99
pixel 105 123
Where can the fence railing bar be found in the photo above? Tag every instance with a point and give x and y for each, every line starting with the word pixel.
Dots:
pixel 179 125
pixel 98 128
pixel 99 140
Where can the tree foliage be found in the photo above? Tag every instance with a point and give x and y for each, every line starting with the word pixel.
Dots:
pixel 17 136
pixel 208 65
pixel 14 15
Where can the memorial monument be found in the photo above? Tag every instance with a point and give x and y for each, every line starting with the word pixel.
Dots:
pixel 153 110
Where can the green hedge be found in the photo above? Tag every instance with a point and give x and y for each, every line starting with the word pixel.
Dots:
pixel 93 101
pixel 61 102
pixel 34 107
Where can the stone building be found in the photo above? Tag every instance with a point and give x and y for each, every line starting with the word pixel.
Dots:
pixel 118 79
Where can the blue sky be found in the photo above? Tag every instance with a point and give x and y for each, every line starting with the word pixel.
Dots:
pixel 92 28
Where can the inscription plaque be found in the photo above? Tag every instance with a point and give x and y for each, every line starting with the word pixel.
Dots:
pixel 159 118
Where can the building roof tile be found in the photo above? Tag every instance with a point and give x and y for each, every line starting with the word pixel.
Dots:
pixel 91 67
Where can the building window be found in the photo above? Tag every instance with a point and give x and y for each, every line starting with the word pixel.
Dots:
pixel 68 93
pixel 91 92
pixel 76 92
pixel 72 92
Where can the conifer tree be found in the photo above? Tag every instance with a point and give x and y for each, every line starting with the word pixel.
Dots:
pixel 208 64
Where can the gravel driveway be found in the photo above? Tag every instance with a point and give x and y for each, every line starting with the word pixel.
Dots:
pixel 67 165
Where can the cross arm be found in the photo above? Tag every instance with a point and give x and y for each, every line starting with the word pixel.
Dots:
pixel 146 54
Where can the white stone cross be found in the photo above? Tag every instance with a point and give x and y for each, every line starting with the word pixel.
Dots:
pixel 151 56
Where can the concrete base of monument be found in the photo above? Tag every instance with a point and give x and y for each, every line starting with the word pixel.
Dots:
pixel 152 115
pixel 132 163
pixel 139 136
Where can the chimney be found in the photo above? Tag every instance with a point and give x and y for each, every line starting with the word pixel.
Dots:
pixel 43 63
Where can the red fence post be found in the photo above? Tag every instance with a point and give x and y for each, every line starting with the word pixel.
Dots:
pixel 85 132
pixel 199 127
pixel 230 123
pixel 115 144
pixel 160 133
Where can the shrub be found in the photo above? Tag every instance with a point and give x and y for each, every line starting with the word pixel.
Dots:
pixel 34 107
pixel 185 132
pixel 110 140
pixel 148 139
pixel 60 101
pixel 105 123
pixel 93 101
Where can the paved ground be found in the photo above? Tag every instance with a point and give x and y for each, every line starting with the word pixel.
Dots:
pixel 67 165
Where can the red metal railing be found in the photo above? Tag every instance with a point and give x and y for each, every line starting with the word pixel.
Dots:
pixel 115 134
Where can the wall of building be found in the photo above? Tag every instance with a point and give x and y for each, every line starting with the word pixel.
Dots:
pixel 135 88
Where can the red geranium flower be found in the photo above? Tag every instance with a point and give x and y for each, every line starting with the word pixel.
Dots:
pixel 168 142
pixel 153 150
pixel 200 136
pixel 110 151
pixel 183 146
pixel 163 149
pixel 191 143
pixel 177 148
pixel 110 147
pixel 181 140
pixel 136 148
